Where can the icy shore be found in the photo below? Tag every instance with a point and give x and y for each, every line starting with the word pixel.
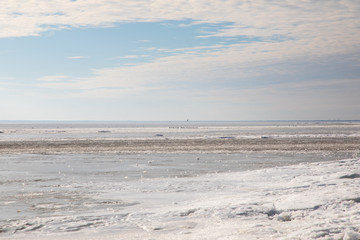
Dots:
pixel 306 201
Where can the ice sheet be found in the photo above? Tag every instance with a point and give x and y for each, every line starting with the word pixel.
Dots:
pixel 180 180
pixel 306 201
pixel 176 130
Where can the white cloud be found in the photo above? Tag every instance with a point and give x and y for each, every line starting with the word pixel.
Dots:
pixel 319 24
pixel 236 63
pixel 207 79
pixel 76 57
pixel 132 56
pixel 288 29
pixel 288 32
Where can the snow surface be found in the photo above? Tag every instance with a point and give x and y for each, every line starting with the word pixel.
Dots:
pixel 306 201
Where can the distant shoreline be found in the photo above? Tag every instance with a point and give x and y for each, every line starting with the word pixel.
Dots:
pixel 174 121
pixel 335 144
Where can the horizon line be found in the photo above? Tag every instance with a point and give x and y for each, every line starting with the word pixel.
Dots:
pixel 188 120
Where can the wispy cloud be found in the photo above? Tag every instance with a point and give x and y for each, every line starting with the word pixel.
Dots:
pixel 319 24
pixel 282 41
pixel 76 57
pixel 281 30
pixel 132 56
pixel 236 66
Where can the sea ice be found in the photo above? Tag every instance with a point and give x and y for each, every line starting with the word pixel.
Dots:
pixel 305 201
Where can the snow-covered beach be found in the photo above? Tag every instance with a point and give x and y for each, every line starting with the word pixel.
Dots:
pixel 305 201
pixel 289 192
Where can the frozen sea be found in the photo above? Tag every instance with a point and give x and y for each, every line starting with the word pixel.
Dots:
pixel 180 180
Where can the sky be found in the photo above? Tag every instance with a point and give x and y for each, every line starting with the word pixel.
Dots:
pixel 149 60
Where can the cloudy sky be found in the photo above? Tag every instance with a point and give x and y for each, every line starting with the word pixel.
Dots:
pixel 179 59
